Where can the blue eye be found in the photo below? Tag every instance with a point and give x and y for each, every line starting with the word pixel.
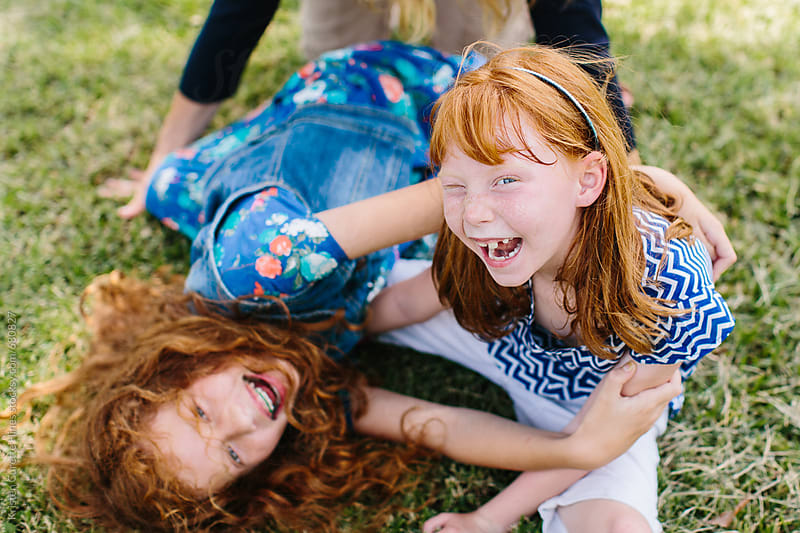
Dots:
pixel 234 456
pixel 200 412
pixel 506 180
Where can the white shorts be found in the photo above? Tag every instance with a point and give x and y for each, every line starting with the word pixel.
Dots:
pixel 631 479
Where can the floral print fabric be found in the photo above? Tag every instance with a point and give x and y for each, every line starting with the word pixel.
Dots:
pixel 270 234
pixel 270 242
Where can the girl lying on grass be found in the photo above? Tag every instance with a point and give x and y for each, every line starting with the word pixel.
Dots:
pixel 558 257
pixel 227 406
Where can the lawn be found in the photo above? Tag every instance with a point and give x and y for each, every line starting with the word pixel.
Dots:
pixel 717 101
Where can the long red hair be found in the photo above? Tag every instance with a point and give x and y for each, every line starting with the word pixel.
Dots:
pixel 600 300
pixel 149 342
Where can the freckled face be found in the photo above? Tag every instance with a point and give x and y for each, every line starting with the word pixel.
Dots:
pixel 520 216
pixel 223 425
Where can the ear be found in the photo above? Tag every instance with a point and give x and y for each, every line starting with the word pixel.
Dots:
pixel 594 169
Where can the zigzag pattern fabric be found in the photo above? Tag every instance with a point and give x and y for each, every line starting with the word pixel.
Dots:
pixel 547 367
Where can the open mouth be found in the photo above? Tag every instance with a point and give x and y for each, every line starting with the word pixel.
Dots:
pixel 501 249
pixel 267 394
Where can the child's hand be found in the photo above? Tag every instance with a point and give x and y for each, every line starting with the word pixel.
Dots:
pixel 135 187
pixel 716 240
pixel 473 522
pixel 609 423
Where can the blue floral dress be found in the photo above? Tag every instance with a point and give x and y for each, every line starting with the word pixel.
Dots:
pixel 286 247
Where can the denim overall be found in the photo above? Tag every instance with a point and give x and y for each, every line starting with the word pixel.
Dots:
pixel 328 155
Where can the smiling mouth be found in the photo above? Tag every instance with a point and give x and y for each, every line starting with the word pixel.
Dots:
pixel 501 249
pixel 266 393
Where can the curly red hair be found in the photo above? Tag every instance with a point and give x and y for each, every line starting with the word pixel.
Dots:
pixel 149 342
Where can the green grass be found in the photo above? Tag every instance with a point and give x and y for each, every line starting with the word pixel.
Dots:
pixel 84 87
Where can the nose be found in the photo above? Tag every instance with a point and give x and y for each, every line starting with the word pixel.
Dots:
pixel 234 422
pixel 477 209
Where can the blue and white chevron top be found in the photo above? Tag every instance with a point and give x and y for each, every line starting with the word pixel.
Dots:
pixel 546 366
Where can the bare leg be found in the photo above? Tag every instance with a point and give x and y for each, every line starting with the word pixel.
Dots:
pixel 603 516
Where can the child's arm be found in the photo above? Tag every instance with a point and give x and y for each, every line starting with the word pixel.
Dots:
pixel 464 435
pixel 381 221
pixel 408 302
pixel 647 376
pixel 185 121
pixel 387 219
pixel 706 226
pixel 609 426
